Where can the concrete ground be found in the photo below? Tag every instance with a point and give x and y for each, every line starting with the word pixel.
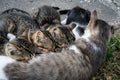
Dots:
pixel 108 10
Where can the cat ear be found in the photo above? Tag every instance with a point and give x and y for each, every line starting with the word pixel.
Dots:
pixel 93 18
pixel 26 34
pixel 35 12
pixel 56 8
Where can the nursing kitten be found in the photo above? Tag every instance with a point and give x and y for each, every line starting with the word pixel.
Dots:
pixel 20 49
pixel 79 62
pixel 43 41
pixel 47 15
pixel 54 39
pixel 62 35
pixel 78 16
pixel 16 22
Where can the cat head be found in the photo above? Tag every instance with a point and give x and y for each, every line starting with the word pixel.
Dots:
pixel 98 29
pixel 19 49
pixel 62 35
pixel 77 14
pixel 43 41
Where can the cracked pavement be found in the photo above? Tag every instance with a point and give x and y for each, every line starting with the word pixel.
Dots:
pixel 108 10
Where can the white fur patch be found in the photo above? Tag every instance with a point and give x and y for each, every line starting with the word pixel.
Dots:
pixel 64 21
pixel 77 35
pixel 73 47
pixel 4 60
pixel 86 35
pixel 95 46
pixel 11 36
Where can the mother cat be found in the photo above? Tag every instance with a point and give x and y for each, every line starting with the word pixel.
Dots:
pixel 79 62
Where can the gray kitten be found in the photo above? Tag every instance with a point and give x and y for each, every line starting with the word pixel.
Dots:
pixel 46 16
pixel 79 62
pixel 16 21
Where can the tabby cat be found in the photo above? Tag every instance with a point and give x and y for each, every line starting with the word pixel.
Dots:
pixel 46 15
pixel 16 21
pixel 79 62
pixel 21 48
pixel 43 41
pixel 63 35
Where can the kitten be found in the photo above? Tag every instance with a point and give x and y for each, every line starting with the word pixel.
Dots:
pixel 13 22
pixel 79 62
pixel 78 16
pixel 62 35
pixel 20 48
pixel 16 21
pixel 47 15
pixel 43 41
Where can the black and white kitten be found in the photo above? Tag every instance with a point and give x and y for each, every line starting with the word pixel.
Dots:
pixel 78 16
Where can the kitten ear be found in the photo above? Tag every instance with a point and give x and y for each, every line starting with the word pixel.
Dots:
pixel 26 35
pixel 56 8
pixel 35 12
pixel 93 18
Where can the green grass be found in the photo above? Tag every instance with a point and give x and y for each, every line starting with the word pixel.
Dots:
pixel 110 69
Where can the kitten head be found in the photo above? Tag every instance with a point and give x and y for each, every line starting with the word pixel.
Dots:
pixel 19 49
pixel 62 35
pixel 46 14
pixel 79 15
pixel 43 41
